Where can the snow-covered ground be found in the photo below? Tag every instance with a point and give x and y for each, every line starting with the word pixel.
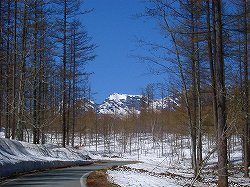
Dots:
pixel 159 164
pixel 173 168
pixel 133 178
pixel 19 157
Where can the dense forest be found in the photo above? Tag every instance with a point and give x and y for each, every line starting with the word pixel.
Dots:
pixel 44 50
pixel 45 92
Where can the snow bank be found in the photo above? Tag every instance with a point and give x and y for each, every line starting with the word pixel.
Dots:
pixel 19 157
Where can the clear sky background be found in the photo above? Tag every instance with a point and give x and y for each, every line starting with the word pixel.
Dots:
pixel 114 30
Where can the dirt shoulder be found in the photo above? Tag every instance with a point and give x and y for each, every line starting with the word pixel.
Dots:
pixel 99 179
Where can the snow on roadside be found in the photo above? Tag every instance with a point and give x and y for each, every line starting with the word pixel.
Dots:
pixel 130 178
pixel 18 157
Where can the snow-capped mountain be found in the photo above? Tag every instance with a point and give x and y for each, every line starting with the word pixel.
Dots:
pixel 122 104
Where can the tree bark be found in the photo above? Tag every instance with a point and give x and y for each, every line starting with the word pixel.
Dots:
pixel 198 90
pixel 20 109
pixel 35 127
pixel 1 61
pixel 211 65
pixel 74 88
pixel 7 75
pixel 64 74
pixel 221 100
pixel 194 92
pixel 14 75
pixel 246 93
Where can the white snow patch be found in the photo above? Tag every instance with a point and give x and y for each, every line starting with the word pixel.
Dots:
pixel 129 178
pixel 117 97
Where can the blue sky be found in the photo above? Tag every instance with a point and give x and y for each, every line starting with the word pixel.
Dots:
pixel 114 30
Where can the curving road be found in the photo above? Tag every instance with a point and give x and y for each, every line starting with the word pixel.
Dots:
pixel 67 177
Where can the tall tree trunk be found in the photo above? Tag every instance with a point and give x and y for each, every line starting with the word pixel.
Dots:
pixel 35 127
pixel 43 89
pixel 198 90
pixel 246 94
pixel 7 75
pixel 64 73
pixel 20 109
pixel 211 64
pixel 68 109
pixel 14 75
pixel 1 61
pixel 194 94
pixel 74 88
pixel 221 100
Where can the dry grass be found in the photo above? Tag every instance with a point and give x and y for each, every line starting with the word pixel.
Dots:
pixel 99 179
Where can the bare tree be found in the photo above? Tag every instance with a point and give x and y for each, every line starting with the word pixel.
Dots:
pixel 221 98
pixel 246 91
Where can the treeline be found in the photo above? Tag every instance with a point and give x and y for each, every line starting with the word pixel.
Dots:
pixel 208 53
pixel 43 52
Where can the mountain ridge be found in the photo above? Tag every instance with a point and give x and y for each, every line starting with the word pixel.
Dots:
pixel 124 104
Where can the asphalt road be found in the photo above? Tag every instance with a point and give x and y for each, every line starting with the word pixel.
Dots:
pixel 67 177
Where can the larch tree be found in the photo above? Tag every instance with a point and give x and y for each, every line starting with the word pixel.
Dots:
pixel 221 98
pixel 246 88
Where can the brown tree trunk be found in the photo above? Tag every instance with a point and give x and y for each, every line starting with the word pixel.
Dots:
pixel 64 74
pixel 246 94
pixel 35 127
pixel 7 75
pixel 43 90
pixel 194 94
pixel 20 108
pixel 14 75
pixel 1 61
pixel 74 88
pixel 221 100
pixel 68 110
pixel 198 90
pixel 211 64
